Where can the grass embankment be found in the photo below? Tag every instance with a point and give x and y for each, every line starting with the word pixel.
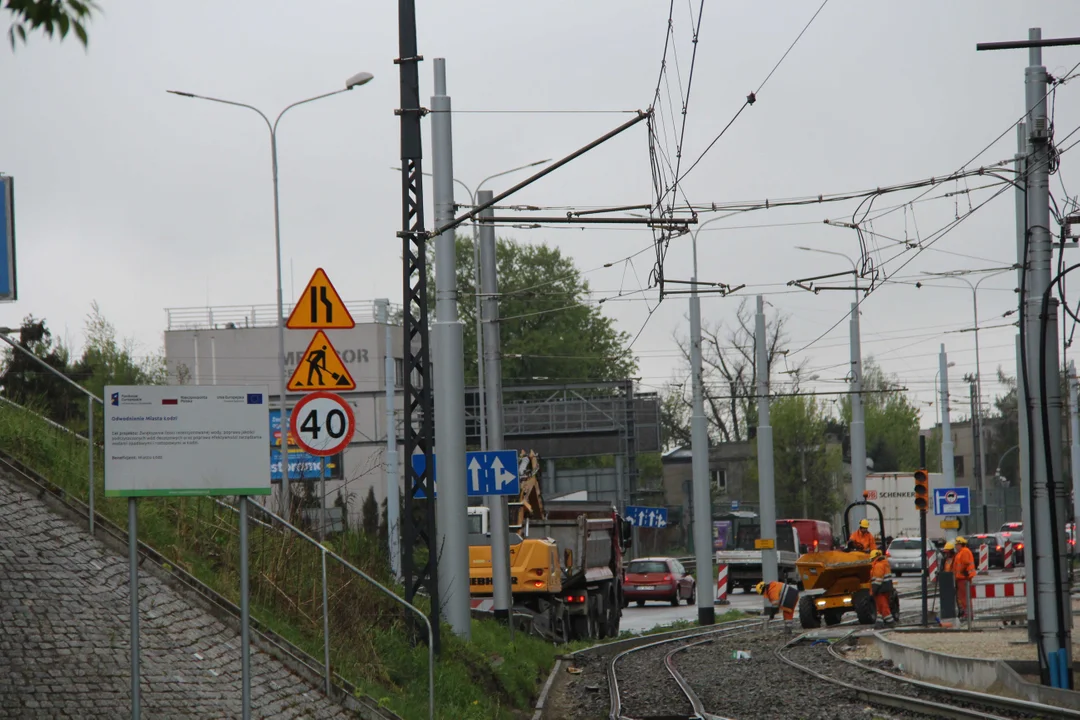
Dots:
pixel 370 641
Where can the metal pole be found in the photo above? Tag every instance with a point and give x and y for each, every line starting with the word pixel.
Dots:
pixel 90 452
pixel 451 507
pixel 286 481
pixel 245 648
pixel 922 531
pixel 1053 616
pixel 322 498
pixel 481 381
pixel 325 625
pixel 805 498
pixel 700 458
pixel 133 592
pixel 767 493
pixel 858 422
pixel 1074 436
pixel 948 467
pixel 978 408
pixel 393 499
pixel 497 508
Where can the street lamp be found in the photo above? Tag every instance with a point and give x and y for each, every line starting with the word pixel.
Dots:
pixel 997 473
pixel 362 78
pixel 958 275
pixel 476 284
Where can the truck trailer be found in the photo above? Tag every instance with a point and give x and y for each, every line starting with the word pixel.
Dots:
pixel 894 493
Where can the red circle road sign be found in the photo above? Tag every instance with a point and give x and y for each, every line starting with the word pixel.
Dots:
pixel 322 423
pixel 951 496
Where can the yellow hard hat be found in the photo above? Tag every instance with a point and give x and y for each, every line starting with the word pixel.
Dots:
pixel 949 546
pixel 875 554
pixel 864 523
pixel 961 541
pixel 760 588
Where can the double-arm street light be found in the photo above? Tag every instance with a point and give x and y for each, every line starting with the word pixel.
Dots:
pixel 355 81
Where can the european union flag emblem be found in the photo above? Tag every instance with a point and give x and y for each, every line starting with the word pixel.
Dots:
pixel 115 398
pixel 255 399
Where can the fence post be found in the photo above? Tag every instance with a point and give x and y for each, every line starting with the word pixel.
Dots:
pixel 325 621
pixel 90 451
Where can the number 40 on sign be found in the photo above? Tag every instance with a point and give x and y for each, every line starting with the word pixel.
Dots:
pixel 322 423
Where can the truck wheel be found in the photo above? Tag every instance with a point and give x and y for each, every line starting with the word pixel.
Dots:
pixel 583 627
pixel 864 607
pixel 808 616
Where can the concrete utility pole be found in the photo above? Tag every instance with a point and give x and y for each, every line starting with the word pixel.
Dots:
pixel 858 421
pixel 766 488
pixel 1046 534
pixel 498 514
pixel 699 430
pixel 976 449
pixel 948 468
pixel 451 502
pixel 393 501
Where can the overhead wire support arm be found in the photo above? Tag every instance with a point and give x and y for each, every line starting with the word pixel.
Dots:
pixel 1019 44
pixel 641 115
pixel 657 222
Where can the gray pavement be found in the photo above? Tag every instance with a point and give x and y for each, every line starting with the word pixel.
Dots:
pixel 64 635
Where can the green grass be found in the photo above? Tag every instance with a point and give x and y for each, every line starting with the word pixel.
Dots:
pixel 371 643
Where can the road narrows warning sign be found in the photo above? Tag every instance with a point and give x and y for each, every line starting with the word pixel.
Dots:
pixel 320 307
pixel 320 368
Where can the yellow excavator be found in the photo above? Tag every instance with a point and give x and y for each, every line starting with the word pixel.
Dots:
pixel 838 581
pixel 565 560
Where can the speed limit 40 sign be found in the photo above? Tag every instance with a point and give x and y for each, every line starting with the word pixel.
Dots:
pixel 322 423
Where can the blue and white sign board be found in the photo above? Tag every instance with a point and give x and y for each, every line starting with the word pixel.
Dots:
pixel 8 287
pixel 302 465
pixel 952 501
pixel 734 504
pixel 646 517
pixel 487 473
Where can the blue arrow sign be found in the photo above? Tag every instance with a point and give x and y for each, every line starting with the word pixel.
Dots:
pixel 486 473
pixel 952 501
pixel 646 517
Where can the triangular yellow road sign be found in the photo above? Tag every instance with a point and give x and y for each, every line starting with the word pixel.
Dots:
pixel 320 307
pixel 320 368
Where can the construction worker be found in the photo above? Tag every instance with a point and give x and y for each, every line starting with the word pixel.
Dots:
pixel 779 596
pixel 862 539
pixel 881 585
pixel 949 557
pixel 963 568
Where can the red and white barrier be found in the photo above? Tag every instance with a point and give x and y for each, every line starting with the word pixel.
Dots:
pixel 1008 555
pixel 482 604
pixel 999 590
pixel 984 559
pixel 721 585
pixel 931 565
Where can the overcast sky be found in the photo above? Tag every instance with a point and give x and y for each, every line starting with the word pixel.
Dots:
pixel 144 201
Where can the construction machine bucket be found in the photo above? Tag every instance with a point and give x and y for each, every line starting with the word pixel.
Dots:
pixel 835 571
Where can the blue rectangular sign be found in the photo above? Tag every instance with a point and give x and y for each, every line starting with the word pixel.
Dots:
pixel 952 501
pixel 646 517
pixel 486 473
pixel 8 286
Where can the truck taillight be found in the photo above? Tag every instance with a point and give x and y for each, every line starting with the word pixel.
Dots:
pixel 575 598
pixel 538 583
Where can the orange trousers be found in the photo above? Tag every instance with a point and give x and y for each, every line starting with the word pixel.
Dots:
pixel 882 602
pixel 963 594
pixel 789 614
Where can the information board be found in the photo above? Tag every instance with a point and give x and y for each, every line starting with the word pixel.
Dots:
pixel 186 440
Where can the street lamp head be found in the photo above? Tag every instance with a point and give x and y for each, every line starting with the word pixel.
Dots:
pixel 952 364
pixel 180 93
pixel 358 79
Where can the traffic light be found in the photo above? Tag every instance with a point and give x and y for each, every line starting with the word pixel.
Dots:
pixel 922 490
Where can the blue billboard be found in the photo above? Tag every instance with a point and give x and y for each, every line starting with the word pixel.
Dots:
pixel 302 465
pixel 8 286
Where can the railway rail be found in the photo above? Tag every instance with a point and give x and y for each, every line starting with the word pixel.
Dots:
pixel 700 675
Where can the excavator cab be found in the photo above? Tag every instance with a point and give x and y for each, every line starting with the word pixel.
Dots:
pixel 838 581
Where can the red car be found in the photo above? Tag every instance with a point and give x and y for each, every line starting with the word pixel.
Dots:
pixel 658 578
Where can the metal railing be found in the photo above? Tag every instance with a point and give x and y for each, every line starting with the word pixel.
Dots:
pixel 253 316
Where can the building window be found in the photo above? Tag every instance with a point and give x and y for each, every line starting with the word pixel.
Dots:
pixel 719 480
pixel 958 466
pixel 399 371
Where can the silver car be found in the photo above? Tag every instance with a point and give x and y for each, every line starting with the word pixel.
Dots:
pixel 905 555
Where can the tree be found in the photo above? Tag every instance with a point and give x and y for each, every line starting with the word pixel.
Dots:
pixel 802 449
pixel 892 421
pixel 369 514
pixel 107 360
pixel 49 16
pixel 549 329
pixel 728 376
pixel 26 382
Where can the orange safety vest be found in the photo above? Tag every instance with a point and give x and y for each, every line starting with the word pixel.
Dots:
pixel 964 564
pixel 863 539
pixel 949 559
pixel 779 594
pixel 881 576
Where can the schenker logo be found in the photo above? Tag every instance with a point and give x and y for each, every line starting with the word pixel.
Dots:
pixel 897 494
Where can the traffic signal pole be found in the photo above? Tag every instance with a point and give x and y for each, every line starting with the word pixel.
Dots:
pixel 920 477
